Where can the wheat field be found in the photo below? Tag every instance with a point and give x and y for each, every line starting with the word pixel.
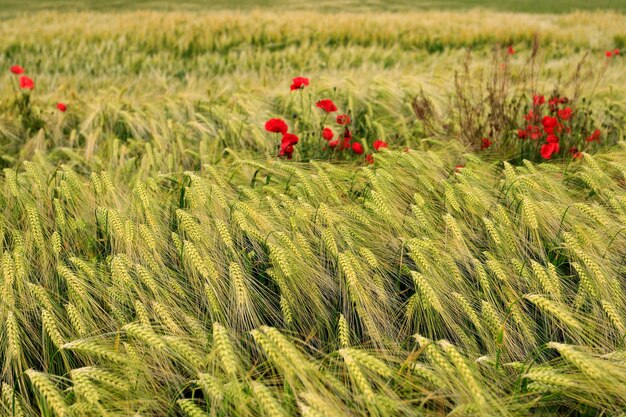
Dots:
pixel 158 259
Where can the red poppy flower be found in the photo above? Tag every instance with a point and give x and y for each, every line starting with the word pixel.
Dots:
pixel 608 54
pixel 276 126
pixel 327 105
pixel 357 148
pixel 530 116
pixel 26 83
pixel 289 138
pixel 549 121
pixel 347 134
pixel 343 119
pixel 369 158
pixel 62 107
pixel 346 142
pixel 379 144
pixel 333 144
pixel 485 143
pixel 327 133
pixel 549 124
pixel 549 149
pixel 553 103
pixel 538 100
pixel 510 50
pixel 576 154
pixel 552 139
pixel 521 134
pixel 534 132
pixel 16 69
pixel 299 83
pixel 615 51
pixel 286 149
pixel 595 136
pixel 565 114
pixel 458 168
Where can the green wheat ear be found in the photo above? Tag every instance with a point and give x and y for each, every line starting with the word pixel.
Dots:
pixel 225 350
pixel 344 332
pixel 11 401
pixel 191 409
pixel 49 392
pixel 266 400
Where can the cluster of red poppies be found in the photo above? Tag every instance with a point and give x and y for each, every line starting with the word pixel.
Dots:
pixel 288 139
pixel 343 120
pixel 343 141
pixel 27 83
pixel 551 126
pixel 611 54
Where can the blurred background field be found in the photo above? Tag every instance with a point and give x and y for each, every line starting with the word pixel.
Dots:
pixel 223 73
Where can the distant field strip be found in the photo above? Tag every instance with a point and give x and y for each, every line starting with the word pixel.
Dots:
pixel 529 6
pixel 225 73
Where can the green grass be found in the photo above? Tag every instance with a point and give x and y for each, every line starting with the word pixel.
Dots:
pixel 158 259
